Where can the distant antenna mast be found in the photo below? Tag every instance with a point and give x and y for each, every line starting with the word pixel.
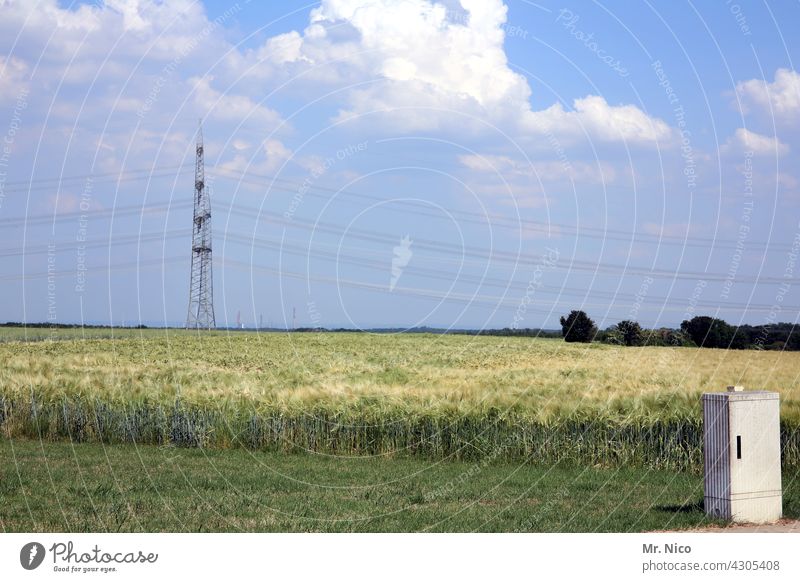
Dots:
pixel 201 286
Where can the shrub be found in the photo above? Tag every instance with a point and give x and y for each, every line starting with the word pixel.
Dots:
pixel 630 332
pixel 611 335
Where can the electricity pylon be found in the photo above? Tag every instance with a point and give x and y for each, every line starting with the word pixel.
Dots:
pixel 201 286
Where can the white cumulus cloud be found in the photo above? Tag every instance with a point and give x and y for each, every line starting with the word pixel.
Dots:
pixel 593 116
pixel 744 140
pixel 780 99
pixel 429 67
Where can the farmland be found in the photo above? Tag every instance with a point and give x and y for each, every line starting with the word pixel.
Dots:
pixel 359 394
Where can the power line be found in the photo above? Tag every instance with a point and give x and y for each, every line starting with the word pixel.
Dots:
pixel 126 266
pixel 501 303
pixel 504 256
pixel 58 180
pixel 96 214
pixel 440 247
pixel 439 274
pixel 296 248
pixel 118 240
pixel 420 209
pixel 93 184
pixel 476 299
pixel 507 222
pixel 488 301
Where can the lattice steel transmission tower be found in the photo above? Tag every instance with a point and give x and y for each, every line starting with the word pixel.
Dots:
pixel 201 286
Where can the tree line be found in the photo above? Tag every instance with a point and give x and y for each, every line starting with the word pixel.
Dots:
pixel 700 331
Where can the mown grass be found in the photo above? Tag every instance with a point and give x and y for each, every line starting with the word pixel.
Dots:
pixel 126 488
pixel 364 394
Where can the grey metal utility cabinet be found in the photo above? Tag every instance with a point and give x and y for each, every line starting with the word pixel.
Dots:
pixel 742 455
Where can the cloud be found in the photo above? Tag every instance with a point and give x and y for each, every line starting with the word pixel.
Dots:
pixel 780 99
pixel 269 157
pixel 240 145
pixel 396 40
pixel 374 55
pixel 428 66
pixel 284 48
pixel 594 116
pixel 120 57
pixel 546 171
pixel 13 75
pixel 745 140
pixel 147 64
pixel 231 107
pixel 134 28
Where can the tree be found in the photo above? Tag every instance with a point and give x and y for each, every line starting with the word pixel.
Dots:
pixel 631 332
pixel 708 332
pixel 793 341
pixel 577 327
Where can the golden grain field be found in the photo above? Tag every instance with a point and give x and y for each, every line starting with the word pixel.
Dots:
pixel 329 382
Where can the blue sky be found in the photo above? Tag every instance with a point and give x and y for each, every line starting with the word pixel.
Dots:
pixel 457 164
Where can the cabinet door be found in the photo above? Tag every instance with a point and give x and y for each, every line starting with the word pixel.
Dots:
pixel 755 448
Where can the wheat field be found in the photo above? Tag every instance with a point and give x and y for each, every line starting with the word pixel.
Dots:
pixel 361 393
